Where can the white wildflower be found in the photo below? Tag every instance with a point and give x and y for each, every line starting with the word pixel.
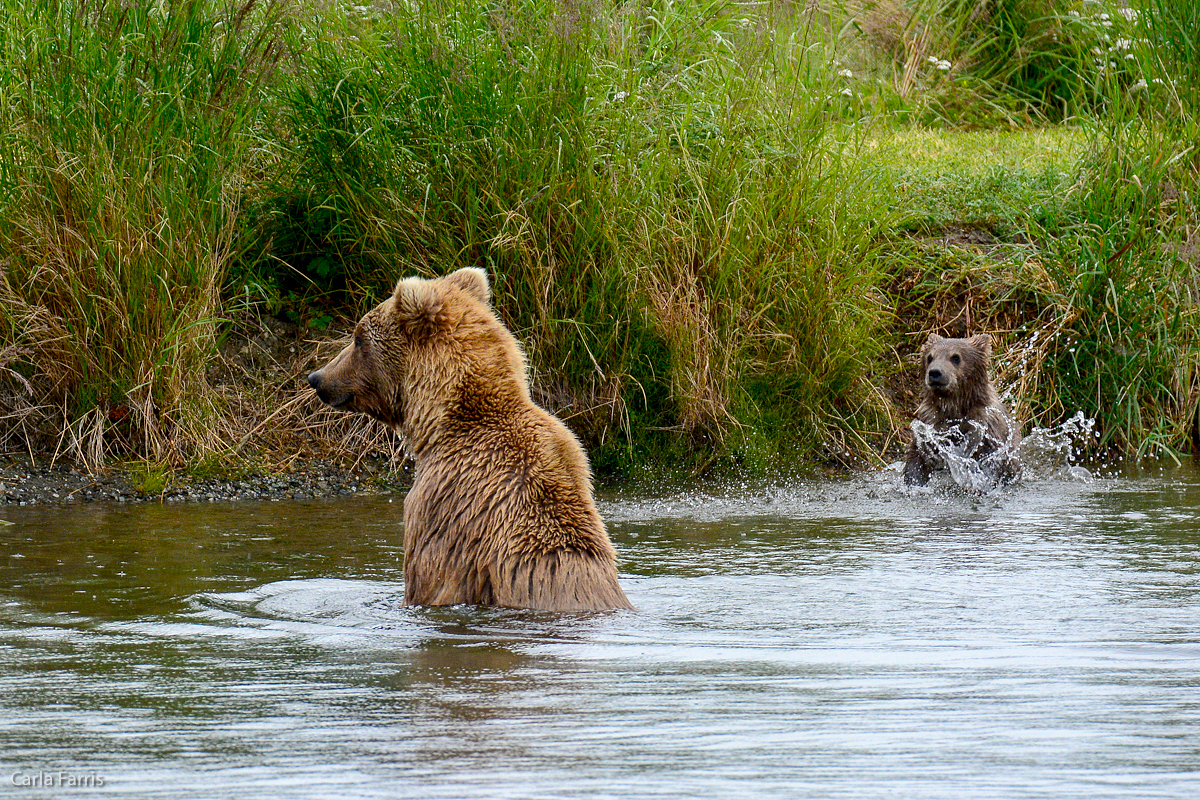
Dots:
pixel 1123 44
pixel 1096 51
pixel 943 65
pixel 1141 84
pixel 745 22
pixel 932 59
pixel 1130 56
pixel 619 96
pixel 1130 14
pixel 845 73
pixel 847 92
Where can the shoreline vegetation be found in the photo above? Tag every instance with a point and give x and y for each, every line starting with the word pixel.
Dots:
pixel 721 230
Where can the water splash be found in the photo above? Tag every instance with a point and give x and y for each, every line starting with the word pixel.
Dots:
pixel 1050 453
pixel 978 462
pixel 975 460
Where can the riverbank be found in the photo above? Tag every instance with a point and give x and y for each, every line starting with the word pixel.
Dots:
pixel 25 484
pixel 720 237
pixel 280 443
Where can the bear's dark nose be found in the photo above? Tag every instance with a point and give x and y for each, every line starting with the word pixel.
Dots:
pixel 314 379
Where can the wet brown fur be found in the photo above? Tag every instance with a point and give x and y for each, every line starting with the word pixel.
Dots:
pixel 500 511
pixel 959 394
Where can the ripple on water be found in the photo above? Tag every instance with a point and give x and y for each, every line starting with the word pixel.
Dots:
pixel 847 639
pixel 321 611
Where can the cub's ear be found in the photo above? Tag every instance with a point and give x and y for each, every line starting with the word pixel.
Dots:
pixel 473 281
pixel 931 341
pixel 417 300
pixel 984 342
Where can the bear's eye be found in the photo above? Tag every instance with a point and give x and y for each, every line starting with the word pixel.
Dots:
pixel 955 360
pixel 929 360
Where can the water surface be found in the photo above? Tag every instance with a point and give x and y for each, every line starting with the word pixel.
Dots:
pixel 848 639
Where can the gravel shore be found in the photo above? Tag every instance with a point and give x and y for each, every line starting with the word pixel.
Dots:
pixel 25 484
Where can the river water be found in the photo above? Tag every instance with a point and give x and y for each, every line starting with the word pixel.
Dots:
pixel 845 639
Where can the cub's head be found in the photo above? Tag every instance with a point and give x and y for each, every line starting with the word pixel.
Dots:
pixel 956 367
pixel 425 351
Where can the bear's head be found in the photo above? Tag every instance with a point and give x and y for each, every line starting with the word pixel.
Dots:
pixel 956 367
pixel 432 351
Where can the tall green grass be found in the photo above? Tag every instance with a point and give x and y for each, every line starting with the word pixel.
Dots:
pixel 122 129
pixel 698 215
pixel 1123 262
pixel 662 193
pixel 1001 63
pixel 1120 298
pixel 1174 60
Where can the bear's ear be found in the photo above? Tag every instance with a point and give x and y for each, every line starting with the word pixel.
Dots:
pixel 983 342
pixel 473 281
pixel 417 299
pixel 930 342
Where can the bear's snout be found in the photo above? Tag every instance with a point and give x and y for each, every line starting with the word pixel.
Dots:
pixel 329 395
pixel 938 380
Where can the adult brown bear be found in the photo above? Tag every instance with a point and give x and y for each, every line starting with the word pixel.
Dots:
pixel 500 511
pixel 961 416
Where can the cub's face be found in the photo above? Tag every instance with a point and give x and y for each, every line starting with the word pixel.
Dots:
pixel 951 363
pixel 364 376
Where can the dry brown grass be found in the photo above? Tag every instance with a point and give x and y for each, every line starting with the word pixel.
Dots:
pixel 703 365
pixel 259 410
pixel 269 414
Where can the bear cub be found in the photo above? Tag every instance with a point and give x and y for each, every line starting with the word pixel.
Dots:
pixel 500 512
pixel 962 408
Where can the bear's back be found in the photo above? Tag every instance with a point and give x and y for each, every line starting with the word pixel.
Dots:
pixel 501 513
